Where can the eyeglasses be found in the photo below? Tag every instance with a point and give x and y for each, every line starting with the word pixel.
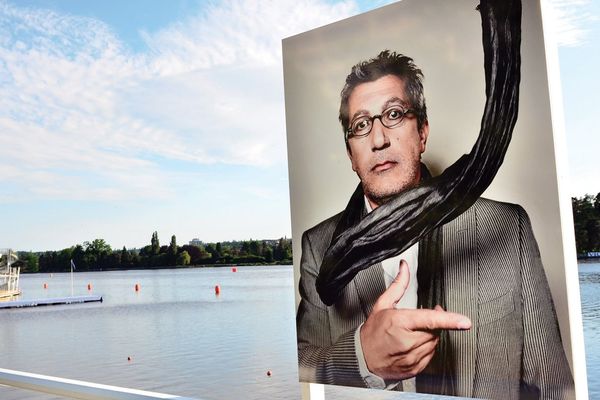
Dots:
pixel 390 118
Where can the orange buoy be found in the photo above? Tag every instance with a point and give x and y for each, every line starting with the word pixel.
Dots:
pixel 217 289
pixel 234 269
pixel 137 287
pixel 89 286
pixel 269 373
pixel 45 285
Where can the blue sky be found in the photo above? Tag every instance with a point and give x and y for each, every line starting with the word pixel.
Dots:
pixel 121 118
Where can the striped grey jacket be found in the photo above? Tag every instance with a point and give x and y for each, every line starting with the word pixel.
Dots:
pixel 492 274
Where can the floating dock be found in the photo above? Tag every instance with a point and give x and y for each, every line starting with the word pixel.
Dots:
pixel 50 301
pixel 9 293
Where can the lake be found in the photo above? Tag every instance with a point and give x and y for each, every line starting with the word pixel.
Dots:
pixel 589 285
pixel 181 337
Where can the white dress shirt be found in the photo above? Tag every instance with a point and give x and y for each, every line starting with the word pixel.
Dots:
pixel 391 266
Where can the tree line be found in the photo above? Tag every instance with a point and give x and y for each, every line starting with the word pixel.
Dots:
pixel 98 255
pixel 586 216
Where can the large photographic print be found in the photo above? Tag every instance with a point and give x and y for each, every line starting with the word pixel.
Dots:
pixel 403 281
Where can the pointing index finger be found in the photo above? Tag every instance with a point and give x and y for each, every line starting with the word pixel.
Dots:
pixel 436 319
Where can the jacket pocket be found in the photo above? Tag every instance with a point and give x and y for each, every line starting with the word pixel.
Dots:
pixel 496 309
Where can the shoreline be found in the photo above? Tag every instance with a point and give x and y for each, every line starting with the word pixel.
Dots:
pixel 588 260
pixel 178 267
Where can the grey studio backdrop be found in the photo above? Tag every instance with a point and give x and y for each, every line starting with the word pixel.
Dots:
pixel 444 39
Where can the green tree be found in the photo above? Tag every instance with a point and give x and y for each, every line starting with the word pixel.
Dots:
pixel 183 258
pixel 97 254
pixel 154 243
pixel 172 250
pixel 112 260
pixel 135 259
pixel 31 261
pixel 145 251
pixel 78 256
pixel 99 246
pixel 586 216
pixel 268 254
pixel 253 247
pixel 63 259
pixel 125 257
pixel 245 248
pixel 46 262
pixel 283 250
pixel 209 253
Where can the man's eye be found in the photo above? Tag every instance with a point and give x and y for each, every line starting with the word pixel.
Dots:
pixel 394 113
pixel 361 125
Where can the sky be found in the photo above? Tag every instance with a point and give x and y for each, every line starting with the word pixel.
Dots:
pixel 118 119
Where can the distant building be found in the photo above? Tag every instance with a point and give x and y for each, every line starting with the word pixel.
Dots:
pixel 196 242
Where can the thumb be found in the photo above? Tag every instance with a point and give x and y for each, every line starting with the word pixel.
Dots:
pixel 394 293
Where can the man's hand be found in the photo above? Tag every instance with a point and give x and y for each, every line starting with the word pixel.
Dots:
pixel 398 344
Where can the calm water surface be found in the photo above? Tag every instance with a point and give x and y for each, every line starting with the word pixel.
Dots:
pixel 589 284
pixel 182 338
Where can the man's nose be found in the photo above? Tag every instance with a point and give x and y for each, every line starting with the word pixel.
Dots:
pixel 379 136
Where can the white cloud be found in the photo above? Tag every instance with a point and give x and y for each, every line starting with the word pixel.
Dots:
pixel 239 32
pixel 569 19
pixel 82 117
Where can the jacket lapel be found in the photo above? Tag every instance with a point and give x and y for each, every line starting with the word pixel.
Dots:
pixel 461 282
pixel 369 282
pixel 369 286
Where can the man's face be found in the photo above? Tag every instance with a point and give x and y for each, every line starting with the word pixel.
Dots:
pixel 386 160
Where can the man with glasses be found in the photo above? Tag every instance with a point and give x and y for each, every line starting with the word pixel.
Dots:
pixel 493 331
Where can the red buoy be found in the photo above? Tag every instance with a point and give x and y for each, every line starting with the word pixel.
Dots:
pixel 45 285
pixel 89 286
pixel 137 287
pixel 234 269
pixel 269 373
pixel 217 289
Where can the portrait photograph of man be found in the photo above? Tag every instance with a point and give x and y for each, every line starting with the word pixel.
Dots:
pixel 477 306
